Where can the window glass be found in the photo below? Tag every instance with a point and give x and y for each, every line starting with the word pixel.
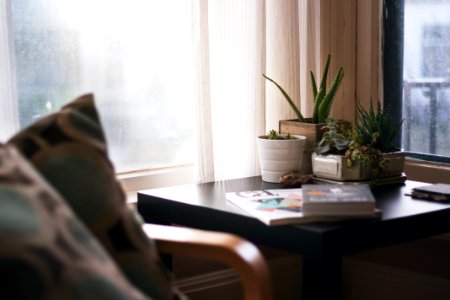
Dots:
pixel 134 55
pixel 426 77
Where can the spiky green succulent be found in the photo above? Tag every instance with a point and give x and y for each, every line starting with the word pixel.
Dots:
pixel 322 98
pixel 275 135
pixel 375 127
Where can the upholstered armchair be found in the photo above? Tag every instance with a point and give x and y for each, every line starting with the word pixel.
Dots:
pixel 66 231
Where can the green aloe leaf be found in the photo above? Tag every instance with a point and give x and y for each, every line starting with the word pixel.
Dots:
pixel 325 105
pixel 323 83
pixel 314 85
pixel 288 99
pixel 324 99
pixel 317 102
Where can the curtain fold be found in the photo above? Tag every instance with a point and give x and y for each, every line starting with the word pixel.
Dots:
pixel 9 108
pixel 310 47
pixel 205 150
pixel 231 114
pixel 282 59
pixel 236 41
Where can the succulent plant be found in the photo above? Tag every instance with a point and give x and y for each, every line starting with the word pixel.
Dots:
pixel 365 141
pixel 275 135
pixel 337 137
pixel 322 98
pixel 374 127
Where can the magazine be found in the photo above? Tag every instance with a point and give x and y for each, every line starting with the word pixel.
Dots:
pixel 277 207
pixel 273 207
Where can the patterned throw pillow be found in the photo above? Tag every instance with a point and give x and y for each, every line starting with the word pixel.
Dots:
pixel 69 149
pixel 46 252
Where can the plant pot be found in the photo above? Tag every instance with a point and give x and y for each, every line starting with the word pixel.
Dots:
pixel 313 134
pixel 279 157
pixel 334 167
pixel 396 163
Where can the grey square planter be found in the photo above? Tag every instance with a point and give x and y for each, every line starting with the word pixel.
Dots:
pixel 334 167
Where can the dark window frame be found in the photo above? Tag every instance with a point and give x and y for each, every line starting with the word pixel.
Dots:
pixel 392 60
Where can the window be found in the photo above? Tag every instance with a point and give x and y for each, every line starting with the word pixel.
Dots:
pixel 435 42
pixel 135 56
pixel 417 54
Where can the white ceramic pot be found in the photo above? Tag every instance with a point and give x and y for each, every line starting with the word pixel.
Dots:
pixel 279 157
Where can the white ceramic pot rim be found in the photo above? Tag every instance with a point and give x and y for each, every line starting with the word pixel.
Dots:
pixel 295 137
pixel 279 157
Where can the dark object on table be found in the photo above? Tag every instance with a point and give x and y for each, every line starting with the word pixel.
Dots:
pixel 338 200
pixel 295 179
pixel 439 192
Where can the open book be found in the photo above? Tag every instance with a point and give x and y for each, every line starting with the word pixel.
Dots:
pixel 279 207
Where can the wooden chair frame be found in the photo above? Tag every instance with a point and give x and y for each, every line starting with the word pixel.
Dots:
pixel 236 252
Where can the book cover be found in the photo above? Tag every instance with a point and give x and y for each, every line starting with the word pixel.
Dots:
pixel 338 200
pixel 273 207
pixel 439 192
pixel 278 207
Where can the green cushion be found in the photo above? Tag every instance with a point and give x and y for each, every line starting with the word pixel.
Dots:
pixel 69 149
pixel 46 252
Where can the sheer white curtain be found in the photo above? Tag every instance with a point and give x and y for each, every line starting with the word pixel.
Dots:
pixel 282 58
pixel 236 42
pixel 230 47
pixel 9 113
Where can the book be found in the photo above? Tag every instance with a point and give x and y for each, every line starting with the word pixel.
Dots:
pixel 439 192
pixel 338 200
pixel 272 207
pixel 278 206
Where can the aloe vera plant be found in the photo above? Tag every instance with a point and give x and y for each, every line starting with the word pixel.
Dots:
pixel 322 98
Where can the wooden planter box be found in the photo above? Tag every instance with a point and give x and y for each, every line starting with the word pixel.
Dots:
pixel 313 134
pixel 334 167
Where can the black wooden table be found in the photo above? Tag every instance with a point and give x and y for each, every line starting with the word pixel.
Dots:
pixel 322 245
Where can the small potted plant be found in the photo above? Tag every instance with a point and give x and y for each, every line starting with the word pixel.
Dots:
pixel 361 152
pixel 312 128
pixel 279 154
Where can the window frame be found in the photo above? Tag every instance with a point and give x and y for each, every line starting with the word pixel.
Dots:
pixel 393 36
pixel 132 182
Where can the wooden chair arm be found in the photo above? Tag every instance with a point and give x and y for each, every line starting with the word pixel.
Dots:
pixel 227 248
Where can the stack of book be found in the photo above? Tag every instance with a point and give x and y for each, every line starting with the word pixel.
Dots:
pixel 311 203
pixel 338 200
